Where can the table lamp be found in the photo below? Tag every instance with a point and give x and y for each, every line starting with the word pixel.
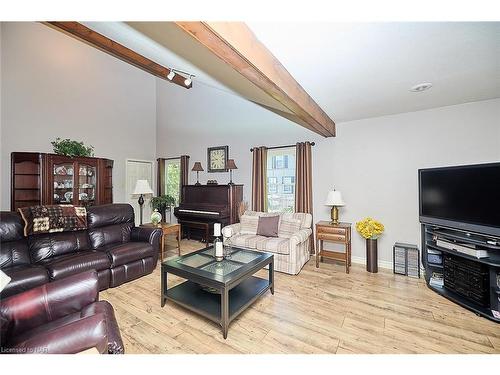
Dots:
pixel 334 199
pixel 142 188
pixel 197 168
pixel 4 280
pixel 231 165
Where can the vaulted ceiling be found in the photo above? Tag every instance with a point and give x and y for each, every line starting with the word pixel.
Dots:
pixel 352 71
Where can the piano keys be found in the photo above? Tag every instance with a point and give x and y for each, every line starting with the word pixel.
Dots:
pixel 203 205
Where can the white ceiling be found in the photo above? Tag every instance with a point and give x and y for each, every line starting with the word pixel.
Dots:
pixel 360 70
pixel 353 71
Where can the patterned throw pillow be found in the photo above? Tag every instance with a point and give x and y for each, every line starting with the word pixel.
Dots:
pixel 248 224
pixel 288 227
pixel 53 218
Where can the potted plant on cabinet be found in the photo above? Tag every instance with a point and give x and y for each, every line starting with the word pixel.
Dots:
pixel 162 204
pixel 371 230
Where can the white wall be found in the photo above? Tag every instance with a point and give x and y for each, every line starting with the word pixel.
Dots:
pixel 373 162
pixel 55 86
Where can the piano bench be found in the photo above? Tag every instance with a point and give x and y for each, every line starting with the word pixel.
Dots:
pixel 186 227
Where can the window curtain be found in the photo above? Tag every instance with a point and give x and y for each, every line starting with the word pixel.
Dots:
pixel 259 183
pixel 161 177
pixel 184 178
pixel 303 182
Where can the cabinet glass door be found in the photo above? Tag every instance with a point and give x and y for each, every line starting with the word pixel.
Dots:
pixel 63 183
pixel 87 180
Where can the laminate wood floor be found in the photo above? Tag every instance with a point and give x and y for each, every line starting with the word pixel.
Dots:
pixel 318 311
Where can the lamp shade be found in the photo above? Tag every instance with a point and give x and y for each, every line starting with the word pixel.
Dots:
pixel 142 187
pixel 334 199
pixel 230 164
pixel 4 280
pixel 197 167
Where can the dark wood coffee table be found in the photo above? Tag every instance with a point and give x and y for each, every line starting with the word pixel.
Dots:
pixel 219 291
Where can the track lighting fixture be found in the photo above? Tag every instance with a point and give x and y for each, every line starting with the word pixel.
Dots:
pixel 171 75
pixel 188 78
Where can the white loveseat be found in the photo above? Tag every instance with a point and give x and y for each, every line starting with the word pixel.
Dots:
pixel 291 247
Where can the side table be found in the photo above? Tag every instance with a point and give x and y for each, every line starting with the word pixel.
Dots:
pixel 167 229
pixel 336 233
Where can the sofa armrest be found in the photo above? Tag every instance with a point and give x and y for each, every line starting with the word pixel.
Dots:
pixel 299 237
pixel 143 234
pixel 49 302
pixel 234 227
pixel 71 338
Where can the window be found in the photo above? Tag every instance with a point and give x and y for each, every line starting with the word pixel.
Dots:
pixel 280 161
pixel 281 180
pixel 173 178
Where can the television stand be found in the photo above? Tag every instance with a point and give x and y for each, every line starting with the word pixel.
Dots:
pixel 469 281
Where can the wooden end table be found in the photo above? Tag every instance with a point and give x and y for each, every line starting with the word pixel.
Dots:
pixel 167 229
pixel 336 233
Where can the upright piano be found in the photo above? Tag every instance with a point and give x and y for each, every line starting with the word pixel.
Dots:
pixel 203 205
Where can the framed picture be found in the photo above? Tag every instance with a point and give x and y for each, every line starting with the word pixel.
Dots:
pixel 217 158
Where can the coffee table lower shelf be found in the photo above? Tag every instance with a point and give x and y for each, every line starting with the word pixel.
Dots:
pixel 191 296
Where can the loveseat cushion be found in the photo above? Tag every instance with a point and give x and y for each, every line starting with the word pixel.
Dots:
pixel 69 264
pixel 128 252
pixel 24 278
pixel 247 240
pixel 248 224
pixel 274 245
pixel 288 227
pixel 46 246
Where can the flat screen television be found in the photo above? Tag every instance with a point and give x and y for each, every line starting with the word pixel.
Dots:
pixel 464 197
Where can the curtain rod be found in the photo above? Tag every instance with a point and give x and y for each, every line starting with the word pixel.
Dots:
pixel 272 148
pixel 177 157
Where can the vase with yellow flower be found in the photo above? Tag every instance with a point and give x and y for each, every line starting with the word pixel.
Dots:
pixel 370 229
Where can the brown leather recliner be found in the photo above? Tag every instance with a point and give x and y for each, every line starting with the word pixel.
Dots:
pixel 112 245
pixel 64 316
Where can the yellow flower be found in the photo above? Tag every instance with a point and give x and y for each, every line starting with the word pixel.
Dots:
pixel 369 228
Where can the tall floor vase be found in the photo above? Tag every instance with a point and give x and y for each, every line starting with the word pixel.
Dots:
pixel 371 256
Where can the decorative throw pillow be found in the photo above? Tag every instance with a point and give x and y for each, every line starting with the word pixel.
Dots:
pixel 53 218
pixel 248 224
pixel 268 226
pixel 288 227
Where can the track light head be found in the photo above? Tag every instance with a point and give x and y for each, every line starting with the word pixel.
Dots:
pixel 188 81
pixel 171 75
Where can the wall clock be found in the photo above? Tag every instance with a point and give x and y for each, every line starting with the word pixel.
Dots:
pixel 217 158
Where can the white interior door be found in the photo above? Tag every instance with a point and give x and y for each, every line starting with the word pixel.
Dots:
pixel 139 170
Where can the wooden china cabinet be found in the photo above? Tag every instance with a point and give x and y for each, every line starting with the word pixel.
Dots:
pixel 39 178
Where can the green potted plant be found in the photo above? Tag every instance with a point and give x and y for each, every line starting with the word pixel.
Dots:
pixel 162 204
pixel 67 147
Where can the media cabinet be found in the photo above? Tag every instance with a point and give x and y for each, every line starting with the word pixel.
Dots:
pixel 473 283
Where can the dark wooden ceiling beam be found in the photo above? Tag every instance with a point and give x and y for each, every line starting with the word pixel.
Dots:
pixel 115 49
pixel 236 45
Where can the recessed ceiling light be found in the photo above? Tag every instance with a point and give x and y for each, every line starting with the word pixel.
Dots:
pixel 421 87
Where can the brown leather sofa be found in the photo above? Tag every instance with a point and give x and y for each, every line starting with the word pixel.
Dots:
pixel 112 245
pixel 64 316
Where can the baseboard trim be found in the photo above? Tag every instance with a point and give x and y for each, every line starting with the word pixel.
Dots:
pixel 381 263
